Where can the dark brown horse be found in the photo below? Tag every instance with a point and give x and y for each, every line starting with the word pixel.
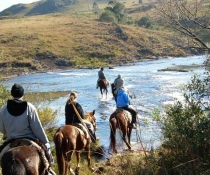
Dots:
pixel 103 85
pixel 68 139
pixel 120 119
pixel 22 160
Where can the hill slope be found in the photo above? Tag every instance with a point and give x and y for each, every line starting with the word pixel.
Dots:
pixel 41 43
pixel 38 8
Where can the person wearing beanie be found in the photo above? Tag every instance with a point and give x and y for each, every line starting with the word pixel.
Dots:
pixel 19 119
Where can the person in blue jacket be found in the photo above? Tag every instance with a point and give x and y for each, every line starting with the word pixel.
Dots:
pixel 123 101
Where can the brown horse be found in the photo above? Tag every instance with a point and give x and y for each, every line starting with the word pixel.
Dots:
pixel 22 160
pixel 103 85
pixel 68 139
pixel 120 119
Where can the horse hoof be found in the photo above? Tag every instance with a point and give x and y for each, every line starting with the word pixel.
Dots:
pixel 77 171
pixel 92 169
pixel 72 172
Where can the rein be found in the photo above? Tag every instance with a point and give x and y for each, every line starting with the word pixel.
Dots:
pixel 78 115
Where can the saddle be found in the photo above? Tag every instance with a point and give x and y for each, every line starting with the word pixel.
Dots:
pixel 127 114
pixel 82 129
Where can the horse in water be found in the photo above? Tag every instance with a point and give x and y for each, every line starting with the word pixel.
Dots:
pixel 24 158
pixel 103 85
pixel 69 139
pixel 120 119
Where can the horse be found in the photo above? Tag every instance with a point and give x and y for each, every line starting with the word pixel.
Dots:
pixel 120 119
pixel 113 89
pixel 103 85
pixel 69 139
pixel 23 159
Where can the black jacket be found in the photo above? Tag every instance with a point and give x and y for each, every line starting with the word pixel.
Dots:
pixel 70 114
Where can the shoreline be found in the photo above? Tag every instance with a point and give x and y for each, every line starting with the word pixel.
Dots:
pixel 5 75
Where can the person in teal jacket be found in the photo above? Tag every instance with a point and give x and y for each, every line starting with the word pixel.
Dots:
pixel 123 101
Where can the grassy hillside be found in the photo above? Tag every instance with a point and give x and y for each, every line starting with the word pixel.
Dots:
pixel 79 40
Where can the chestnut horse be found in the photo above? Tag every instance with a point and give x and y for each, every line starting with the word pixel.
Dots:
pixel 68 139
pixel 120 119
pixel 22 160
pixel 103 85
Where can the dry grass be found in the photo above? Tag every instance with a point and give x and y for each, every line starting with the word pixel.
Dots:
pixel 37 42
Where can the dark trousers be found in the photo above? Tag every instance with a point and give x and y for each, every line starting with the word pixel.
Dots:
pixel 133 113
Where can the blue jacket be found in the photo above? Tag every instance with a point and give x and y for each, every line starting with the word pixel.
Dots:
pixel 123 99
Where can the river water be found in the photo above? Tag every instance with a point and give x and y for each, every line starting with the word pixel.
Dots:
pixel 151 89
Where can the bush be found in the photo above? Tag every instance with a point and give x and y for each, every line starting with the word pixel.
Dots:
pixel 107 16
pixel 145 22
pixel 186 131
pixel 4 95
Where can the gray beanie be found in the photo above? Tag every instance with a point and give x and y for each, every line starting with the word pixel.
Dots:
pixel 17 90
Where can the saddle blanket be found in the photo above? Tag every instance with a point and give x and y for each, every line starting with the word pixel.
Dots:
pixel 82 129
pixel 127 114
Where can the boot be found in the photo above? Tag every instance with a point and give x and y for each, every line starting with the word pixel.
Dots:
pixel 134 126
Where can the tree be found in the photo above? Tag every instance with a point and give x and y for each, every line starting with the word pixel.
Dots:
pixel 96 9
pixel 118 8
pixel 190 18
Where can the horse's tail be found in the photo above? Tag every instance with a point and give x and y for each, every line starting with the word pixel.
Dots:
pixel 15 165
pixel 58 140
pixel 113 127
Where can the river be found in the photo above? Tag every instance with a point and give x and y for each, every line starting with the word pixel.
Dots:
pixel 151 89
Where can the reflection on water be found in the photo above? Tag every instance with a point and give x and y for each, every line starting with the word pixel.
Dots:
pixel 151 88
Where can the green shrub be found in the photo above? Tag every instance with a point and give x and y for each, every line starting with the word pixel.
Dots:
pixel 107 16
pixel 145 22
pixel 4 95
pixel 185 129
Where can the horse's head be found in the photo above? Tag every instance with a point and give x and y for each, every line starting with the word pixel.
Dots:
pixel 89 116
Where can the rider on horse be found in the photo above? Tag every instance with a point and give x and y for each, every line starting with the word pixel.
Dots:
pixel 19 120
pixel 123 101
pixel 118 83
pixel 100 76
pixel 72 117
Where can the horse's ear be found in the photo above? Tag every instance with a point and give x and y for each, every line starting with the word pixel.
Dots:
pixel 94 112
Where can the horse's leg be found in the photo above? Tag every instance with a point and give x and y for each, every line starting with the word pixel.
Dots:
pixel 78 158
pixel 68 162
pixel 129 129
pixel 113 128
pixel 101 92
pixel 87 149
pixel 124 131
pixel 78 162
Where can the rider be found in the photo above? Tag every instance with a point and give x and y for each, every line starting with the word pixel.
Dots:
pixel 72 117
pixel 118 82
pixel 19 119
pixel 123 101
pixel 100 76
